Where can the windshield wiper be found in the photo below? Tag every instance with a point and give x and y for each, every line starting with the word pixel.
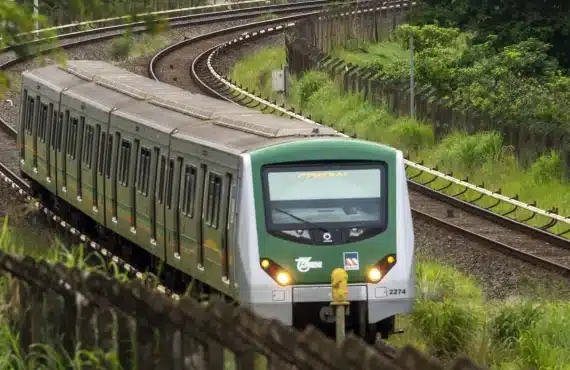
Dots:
pixel 315 226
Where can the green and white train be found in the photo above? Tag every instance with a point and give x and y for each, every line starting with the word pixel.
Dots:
pixel 256 208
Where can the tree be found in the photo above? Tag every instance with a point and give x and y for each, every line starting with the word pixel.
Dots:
pixel 512 21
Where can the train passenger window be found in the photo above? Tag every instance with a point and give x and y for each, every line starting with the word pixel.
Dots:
pixel 88 138
pixel 214 198
pixel 143 178
pixel 169 182
pixel 189 191
pixel 72 137
pixel 42 123
pixel 161 179
pixel 109 156
pixel 101 160
pixel 30 115
pixel 57 130
pixel 125 162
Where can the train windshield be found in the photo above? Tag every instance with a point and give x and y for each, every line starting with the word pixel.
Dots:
pixel 324 196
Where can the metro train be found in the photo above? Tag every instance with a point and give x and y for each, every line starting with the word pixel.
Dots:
pixel 251 207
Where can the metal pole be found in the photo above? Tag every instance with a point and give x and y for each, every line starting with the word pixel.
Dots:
pixel 412 82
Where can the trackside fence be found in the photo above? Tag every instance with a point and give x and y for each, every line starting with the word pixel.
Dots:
pixel 75 309
pixel 309 43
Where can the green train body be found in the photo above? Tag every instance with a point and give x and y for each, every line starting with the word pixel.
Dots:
pixel 258 208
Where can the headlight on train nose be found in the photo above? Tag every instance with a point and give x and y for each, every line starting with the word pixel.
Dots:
pixel 280 275
pixel 374 275
pixel 283 278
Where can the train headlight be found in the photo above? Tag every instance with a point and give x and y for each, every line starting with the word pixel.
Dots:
pixel 374 275
pixel 380 269
pixel 280 275
pixel 283 278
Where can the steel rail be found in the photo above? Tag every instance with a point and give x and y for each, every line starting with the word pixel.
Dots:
pixel 171 18
pixel 229 87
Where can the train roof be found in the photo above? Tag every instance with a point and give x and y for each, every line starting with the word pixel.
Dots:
pixel 208 121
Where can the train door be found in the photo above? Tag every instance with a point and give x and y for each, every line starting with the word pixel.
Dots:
pixel 212 225
pixel 28 149
pixel 228 233
pixel 88 168
pixel 45 115
pixel 103 172
pixel 62 153
pixel 171 211
pixel 159 211
pixel 123 189
pixel 142 196
pixel 55 148
pixel 188 227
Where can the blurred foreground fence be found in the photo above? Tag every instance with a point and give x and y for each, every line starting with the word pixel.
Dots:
pixel 72 309
pixel 309 42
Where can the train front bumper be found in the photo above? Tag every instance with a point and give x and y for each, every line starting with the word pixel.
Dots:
pixel 285 304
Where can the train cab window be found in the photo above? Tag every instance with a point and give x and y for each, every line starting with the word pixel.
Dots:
pixel 124 163
pixel 161 179
pixel 29 123
pixel 72 137
pixel 143 178
pixel 214 200
pixel 169 183
pixel 88 138
pixel 42 123
pixel 189 191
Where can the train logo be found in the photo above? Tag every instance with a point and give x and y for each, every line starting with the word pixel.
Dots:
pixel 304 264
pixel 351 261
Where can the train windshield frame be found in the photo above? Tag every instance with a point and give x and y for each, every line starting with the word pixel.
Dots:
pixel 310 202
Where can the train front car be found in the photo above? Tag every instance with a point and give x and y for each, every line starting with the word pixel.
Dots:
pixel 321 204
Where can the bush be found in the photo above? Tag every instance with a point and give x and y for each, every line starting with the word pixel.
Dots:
pixel 465 153
pixel 412 135
pixel 514 319
pixel 448 311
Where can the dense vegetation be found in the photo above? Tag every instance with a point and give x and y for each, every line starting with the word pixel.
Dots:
pixel 510 21
pixel 518 83
pixel 484 157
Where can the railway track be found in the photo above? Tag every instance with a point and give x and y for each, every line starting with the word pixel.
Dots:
pixel 9 157
pixel 507 235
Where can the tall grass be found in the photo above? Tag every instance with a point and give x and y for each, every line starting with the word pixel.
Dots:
pixel 18 241
pixel 483 157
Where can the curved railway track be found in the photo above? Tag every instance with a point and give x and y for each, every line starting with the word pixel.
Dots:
pixel 507 235
pixel 9 158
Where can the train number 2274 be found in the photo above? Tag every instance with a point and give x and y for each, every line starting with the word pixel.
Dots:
pixel 396 291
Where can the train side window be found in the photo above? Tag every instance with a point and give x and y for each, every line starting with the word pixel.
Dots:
pixel 30 115
pixel 143 178
pixel 88 138
pixel 109 156
pixel 42 124
pixel 101 160
pixel 214 199
pixel 189 191
pixel 125 162
pixel 161 179
pixel 169 183
pixel 72 137
pixel 57 130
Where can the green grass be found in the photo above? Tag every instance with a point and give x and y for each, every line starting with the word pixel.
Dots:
pixel 452 318
pixel 483 157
